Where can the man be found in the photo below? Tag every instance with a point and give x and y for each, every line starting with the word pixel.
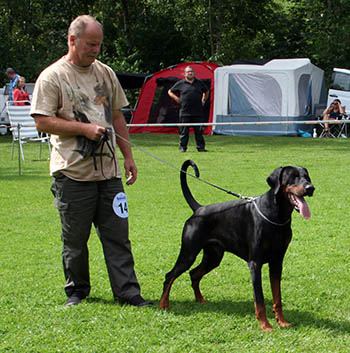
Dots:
pixel 78 100
pixel 13 77
pixel 191 93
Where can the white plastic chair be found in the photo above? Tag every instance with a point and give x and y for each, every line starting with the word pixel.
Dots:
pixel 23 129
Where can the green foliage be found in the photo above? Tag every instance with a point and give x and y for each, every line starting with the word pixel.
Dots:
pixel 147 35
pixel 315 282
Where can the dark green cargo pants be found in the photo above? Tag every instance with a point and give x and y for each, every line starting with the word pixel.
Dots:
pixel 102 203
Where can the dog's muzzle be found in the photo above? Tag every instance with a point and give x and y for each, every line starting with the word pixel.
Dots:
pixel 309 190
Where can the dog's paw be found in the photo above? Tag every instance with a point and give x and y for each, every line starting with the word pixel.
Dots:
pixel 163 304
pixel 283 323
pixel 265 326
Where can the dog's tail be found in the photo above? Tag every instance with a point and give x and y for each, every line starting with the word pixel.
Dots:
pixel 184 186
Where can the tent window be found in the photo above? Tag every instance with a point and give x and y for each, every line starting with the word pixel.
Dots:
pixel 254 95
pixel 340 81
pixel 305 94
pixel 164 109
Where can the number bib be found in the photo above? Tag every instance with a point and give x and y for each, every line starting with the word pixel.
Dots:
pixel 120 205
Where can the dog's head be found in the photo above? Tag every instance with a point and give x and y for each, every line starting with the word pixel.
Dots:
pixel 294 183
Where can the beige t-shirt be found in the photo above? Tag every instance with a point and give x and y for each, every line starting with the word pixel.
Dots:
pixel 86 94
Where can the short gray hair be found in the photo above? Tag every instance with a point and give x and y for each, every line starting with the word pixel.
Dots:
pixel 78 25
pixel 10 71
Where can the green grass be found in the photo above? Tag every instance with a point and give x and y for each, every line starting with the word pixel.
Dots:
pixel 315 285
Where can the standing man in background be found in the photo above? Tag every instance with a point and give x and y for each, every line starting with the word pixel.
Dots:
pixel 13 77
pixel 191 93
pixel 78 100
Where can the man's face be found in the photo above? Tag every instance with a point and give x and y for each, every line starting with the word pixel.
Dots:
pixel 189 74
pixel 86 47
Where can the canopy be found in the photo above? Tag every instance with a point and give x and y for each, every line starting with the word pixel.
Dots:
pixel 154 104
pixel 280 90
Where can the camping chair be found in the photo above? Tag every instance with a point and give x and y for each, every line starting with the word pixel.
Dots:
pixel 335 130
pixel 23 128
pixel 318 110
pixel 343 126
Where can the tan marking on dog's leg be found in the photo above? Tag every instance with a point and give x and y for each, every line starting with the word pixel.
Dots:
pixel 164 300
pixel 260 313
pixel 197 293
pixel 277 303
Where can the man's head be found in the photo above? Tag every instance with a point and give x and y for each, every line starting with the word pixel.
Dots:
pixel 85 35
pixel 189 73
pixel 10 73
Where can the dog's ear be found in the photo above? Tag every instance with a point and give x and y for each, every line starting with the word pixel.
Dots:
pixel 274 180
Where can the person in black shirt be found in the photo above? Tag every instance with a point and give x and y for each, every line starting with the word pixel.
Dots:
pixel 191 93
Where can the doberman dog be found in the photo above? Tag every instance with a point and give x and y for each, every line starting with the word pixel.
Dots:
pixel 258 230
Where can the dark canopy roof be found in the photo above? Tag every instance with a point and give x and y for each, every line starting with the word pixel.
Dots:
pixel 131 80
pixel 250 62
pixel 126 80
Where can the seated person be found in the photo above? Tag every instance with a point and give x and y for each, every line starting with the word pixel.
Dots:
pixel 20 93
pixel 333 112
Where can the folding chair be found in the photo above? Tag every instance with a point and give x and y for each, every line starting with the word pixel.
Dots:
pixel 343 127
pixel 331 128
pixel 335 130
pixel 318 110
pixel 23 128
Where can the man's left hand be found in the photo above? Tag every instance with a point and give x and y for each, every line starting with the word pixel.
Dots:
pixel 130 171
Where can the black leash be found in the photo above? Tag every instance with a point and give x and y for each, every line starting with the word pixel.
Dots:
pixel 104 140
pixel 181 170
pixel 247 198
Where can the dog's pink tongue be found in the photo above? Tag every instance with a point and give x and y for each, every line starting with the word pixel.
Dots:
pixel 303 207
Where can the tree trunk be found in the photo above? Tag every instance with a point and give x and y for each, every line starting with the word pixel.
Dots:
pixel 219 18
pixel 211 28
pixel 127 30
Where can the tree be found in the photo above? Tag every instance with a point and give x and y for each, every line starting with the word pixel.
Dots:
pixel 145 36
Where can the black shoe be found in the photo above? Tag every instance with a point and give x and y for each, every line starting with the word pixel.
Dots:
pixel 182 149
pixel 73 300
pixel 202 150
pixel 137 300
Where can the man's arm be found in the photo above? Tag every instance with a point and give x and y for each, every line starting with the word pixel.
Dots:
pixel 174 96
pixel 63 127
pixel 205 97
pixel 120 128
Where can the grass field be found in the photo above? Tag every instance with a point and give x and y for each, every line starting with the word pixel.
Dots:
pixel 315 285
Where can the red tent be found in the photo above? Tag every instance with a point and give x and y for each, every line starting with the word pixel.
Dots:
pixel 155 106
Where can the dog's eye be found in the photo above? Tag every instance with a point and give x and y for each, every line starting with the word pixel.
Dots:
pixel 293 178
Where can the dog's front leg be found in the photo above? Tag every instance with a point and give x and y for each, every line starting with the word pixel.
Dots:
pixel 260 310
pixel 275 280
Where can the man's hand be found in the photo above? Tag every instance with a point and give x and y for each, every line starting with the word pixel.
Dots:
pixel 130 171
pixel 93 131
pixel 62 127
pixel 174 97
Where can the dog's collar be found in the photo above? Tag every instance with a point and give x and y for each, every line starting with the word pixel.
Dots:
pixel 252 199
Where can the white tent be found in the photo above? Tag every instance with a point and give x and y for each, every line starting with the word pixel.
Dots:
pixel 280 90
